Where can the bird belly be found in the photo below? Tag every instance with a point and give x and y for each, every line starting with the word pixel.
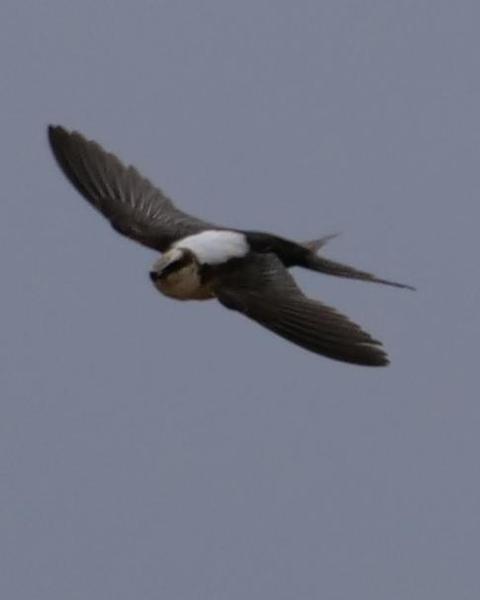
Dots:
pixel 185 285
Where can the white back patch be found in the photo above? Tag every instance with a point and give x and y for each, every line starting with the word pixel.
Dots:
pixel 215 247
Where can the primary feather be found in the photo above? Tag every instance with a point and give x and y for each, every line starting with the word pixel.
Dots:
pixel 130 202
pixel 262 289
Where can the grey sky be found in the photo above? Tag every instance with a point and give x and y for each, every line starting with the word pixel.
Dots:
pixel 152 449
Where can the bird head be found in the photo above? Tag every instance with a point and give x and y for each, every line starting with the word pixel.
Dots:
pixel 173 261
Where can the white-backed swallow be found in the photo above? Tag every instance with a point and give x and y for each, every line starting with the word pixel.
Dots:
pixel 246 271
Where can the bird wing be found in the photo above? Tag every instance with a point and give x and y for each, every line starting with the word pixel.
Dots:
pixel 130 202
pixel 262 289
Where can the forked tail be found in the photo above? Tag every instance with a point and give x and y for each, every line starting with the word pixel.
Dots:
pixel 305 255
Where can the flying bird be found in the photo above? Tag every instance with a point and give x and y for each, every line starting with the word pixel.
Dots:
pixel 246 271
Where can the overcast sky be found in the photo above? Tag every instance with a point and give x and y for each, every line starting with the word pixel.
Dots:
pixel 154 449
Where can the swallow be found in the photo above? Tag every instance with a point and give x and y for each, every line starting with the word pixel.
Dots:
pixel 246 271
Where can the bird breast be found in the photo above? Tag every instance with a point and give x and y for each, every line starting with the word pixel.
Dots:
pixel 185 284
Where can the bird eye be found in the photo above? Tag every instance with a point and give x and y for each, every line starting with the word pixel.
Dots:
pixel 170 268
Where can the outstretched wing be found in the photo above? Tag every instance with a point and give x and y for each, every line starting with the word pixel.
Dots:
pixel 130 202
pixel 262 289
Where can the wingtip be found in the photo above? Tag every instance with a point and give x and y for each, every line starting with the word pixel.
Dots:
pixel 55 133
pixel 374 356
pixel 383 361
pixel 52 128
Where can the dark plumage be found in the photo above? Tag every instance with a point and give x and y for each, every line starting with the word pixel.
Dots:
pixel 246 271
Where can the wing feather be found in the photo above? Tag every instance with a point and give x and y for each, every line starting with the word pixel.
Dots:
pixel 262 289
pixel 129 201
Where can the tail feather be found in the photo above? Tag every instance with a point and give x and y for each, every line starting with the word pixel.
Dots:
pixel 293 254
pixel 316 245
pixel 330 267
